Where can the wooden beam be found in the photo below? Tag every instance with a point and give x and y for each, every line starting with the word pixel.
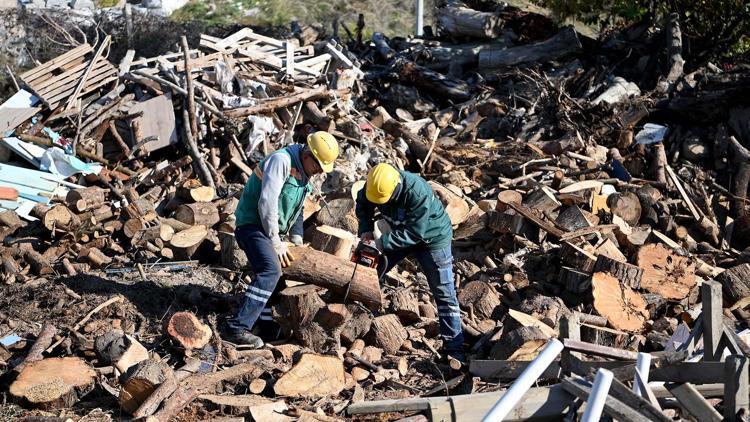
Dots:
pixel 621 392
pixel 693 402
pixel 85 76
pixel 598 350
pixel 613 407
pixel 713 319
pixel 736 389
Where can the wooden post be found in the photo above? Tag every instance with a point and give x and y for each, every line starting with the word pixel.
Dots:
pixel 693 402
pixel 712 320
pixel 736 389
pixel 570 328
pixel 190 89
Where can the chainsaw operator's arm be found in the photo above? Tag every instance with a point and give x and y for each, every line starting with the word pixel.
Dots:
pixel 413 231
pixel 365 211
pixel 275 173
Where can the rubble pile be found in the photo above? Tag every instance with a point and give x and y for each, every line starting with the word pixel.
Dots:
pixel 598 194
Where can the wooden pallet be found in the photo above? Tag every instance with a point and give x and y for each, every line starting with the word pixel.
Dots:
pixel 55 81
pixel 271 52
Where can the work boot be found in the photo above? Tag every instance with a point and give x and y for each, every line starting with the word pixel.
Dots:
pixel 244 337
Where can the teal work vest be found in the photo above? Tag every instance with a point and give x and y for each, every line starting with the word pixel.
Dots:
pixel 291 199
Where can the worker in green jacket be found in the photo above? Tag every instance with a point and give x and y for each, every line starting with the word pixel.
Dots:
pixel 269 207
pixel 419 227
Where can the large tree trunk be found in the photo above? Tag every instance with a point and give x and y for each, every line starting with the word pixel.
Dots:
pixel 462 21
pixel 433 82
pixel 334 273
pixel 562 44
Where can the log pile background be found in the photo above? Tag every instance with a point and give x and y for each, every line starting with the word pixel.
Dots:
pixel 601 181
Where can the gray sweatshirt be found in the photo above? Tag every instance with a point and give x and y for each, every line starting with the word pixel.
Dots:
pixel 276 169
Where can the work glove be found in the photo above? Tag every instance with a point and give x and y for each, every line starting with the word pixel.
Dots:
pixel 296 239
pixel 282 251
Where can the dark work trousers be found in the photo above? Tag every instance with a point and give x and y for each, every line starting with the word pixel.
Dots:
pixel 265 264
pixel 437 265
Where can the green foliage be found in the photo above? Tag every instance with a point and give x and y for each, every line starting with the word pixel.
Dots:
pixel 107 3
pixel 217 12
pixel 710 25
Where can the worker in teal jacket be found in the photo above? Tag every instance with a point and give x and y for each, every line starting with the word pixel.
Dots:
pixel 270 205
pixel 420 227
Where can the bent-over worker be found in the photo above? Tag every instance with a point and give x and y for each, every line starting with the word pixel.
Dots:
pixel 419 227
pixel 270 205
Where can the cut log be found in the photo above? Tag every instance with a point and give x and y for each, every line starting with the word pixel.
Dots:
pixel 312 376
pixel 95 257
pixel 521 344
pixel 628 274
pixel 406 306
pixel 84 199
pixel 187 241
pixel 332 240
pixel 333 273
pixel 188 330
pixel 432 81
pixel 59 216
pixel 124 351
pixel 462 21
pixel 338 213
pixel 358 324
pixel 626 206
pixel 564 43
pixel 232 256
pixel 39 264
pixel 141 381
pixel 43 341
pixel 201 213
pixel 313 114
pixel 735 282
pixel 624 308
pixel 665 273
pixel 296 313
pixel 480 296
pixel 419 148
pixel 388 333
pixel 193 191
pixel 574 281
pixel 455 206
pixel 54 383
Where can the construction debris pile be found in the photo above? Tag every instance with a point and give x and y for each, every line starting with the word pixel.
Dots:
pixel 598 194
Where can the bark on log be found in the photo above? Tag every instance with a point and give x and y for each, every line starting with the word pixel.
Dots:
pixel 338 213
pixel 43 341
pixel 39 265
pixel 321 120
pixel 480 296
pixel 455 206
pixel 676 62
pixel 203 213
pixel 419 148
pixel 735 282
pixel 54 383
pixel 434 83
pixel 406 306
pixel 388 333
pixel 564 43
pixel 357 325
pixel 332 240
pixel 628 274
pixel 626 206
pixel 188 330
pixel 81 200
pixel 333 273
pixel 194 191
pixel 296 313
pixel 741 157
pixel 521 344
pixel 665 273
pixel 141 381
pixel 462 21
pixel 312 376
pixel 624 308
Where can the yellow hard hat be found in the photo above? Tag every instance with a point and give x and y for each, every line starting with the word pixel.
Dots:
pixel 325 149
pixel 381 182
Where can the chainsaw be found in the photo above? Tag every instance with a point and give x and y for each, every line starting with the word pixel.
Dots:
pixel 367 255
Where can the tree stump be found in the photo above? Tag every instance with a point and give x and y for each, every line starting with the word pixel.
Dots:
pixel 388 333
pixel 187 330
pixel 624 308
pixel 332 240
pixel 296 313
pixel 232 256
pixel 141 381
pixel 312 376
pixel 406 306
pixel 54 383
pixel 628 274
pixel 203 213
pixel 481 296
pixel 665 273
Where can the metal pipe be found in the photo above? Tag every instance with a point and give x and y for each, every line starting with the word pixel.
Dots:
pixel 420 17
pixel 642 364
pixel 599 393
pixel 524 381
